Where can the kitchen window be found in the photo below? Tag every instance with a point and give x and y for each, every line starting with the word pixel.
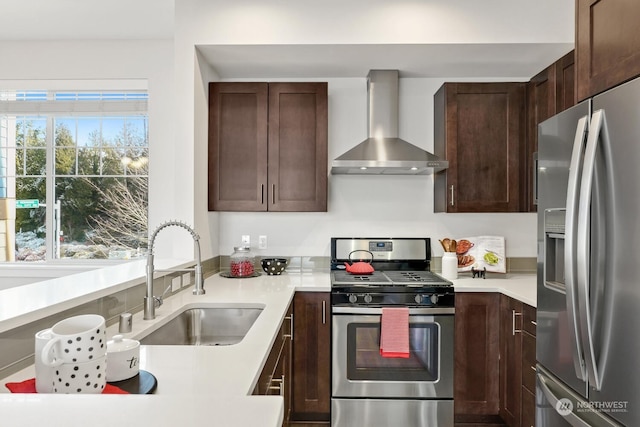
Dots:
pixel 76 164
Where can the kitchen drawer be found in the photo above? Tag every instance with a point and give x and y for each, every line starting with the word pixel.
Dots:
pixel 529 362
pixel 529 319
pixel 528 409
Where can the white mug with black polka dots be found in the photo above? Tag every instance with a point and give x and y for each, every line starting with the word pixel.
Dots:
pixel 80 377
pixel 75 340
pixel 44 374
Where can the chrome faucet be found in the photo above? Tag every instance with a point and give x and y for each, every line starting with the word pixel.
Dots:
pixel 151 301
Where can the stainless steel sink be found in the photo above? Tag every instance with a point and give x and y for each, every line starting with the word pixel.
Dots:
pixel 205 326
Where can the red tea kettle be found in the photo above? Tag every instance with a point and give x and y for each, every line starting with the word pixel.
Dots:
pixel 359 267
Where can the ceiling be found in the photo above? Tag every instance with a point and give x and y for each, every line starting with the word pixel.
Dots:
pixel 31 20
pixel 86 19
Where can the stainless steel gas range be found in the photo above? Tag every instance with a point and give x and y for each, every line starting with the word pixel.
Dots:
pixel 369 389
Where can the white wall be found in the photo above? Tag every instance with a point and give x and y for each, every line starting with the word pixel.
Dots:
pixel 381 206
pixel 375 205
pixel 43 65
pixel 177 79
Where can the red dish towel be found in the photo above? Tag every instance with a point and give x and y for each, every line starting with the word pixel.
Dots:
pixel 29 386
pixel 394 332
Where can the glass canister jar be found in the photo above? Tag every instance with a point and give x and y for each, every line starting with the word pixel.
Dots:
pixel 242 262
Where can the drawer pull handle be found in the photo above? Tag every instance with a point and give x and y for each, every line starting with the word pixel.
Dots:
pixel 280 387
pixel 534 323
pixel 290 318
pixel 533 368
pixel 514 314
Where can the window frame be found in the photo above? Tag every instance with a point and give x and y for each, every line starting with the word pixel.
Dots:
pixel 70 103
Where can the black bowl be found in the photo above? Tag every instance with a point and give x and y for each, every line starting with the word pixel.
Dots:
pixel 273 266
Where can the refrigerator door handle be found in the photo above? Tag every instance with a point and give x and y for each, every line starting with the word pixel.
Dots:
pixel 583 247
pixel 561 405
pixel 571 222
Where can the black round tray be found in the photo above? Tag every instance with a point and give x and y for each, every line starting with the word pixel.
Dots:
pixel 143 383
pixel 228 275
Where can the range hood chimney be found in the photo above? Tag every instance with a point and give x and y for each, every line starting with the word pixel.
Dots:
pixel 383 153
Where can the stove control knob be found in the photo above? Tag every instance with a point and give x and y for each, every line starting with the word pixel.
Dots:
pixel 353 298
pixel 418 299
pixel 368 298
pixel 434 299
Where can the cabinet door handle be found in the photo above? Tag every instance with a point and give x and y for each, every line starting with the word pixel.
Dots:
pixel 290 318
pixel 324 312
pixel 534 323
pixel 273 194
pixel 262 194
pixel 452 195
pixel 514 314
pixel 279 387
pixel 535 178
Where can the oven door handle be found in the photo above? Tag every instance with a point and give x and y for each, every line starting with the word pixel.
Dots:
pixel 378 310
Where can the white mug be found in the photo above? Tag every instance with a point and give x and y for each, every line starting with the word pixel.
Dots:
pixel 44 373
pixel 81 377
pixel 75 340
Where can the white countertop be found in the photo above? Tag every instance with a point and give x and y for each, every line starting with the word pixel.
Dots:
pixel 200 384
pixel 522 287
pixel 196 384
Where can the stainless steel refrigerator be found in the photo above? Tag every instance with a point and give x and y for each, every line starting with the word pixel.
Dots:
pixel 588 333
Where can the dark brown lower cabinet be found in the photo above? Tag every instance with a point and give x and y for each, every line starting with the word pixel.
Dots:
pixel 510 360
pixel 311 399
pixel 495 359
pixel 476 374
pixel 275 378
pixel 528 366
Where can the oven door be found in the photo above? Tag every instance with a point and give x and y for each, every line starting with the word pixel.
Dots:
pixel 358 369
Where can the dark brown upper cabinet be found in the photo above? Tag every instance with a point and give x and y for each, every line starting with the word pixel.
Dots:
pixel 565 82
pixel 268 146
pixel 549 92
pixel 541 104
pixel 480 129
pixel 607 44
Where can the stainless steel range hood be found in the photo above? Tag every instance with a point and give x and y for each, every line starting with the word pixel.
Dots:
pixel 383 153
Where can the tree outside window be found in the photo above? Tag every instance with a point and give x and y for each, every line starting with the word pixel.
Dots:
pixel 91 173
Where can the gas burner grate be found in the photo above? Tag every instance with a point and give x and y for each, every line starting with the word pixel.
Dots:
pixel 362 278
pixel 411 275
pixel 343 278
